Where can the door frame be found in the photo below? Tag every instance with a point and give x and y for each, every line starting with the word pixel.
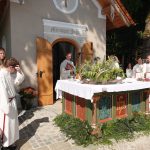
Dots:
pixel 73 42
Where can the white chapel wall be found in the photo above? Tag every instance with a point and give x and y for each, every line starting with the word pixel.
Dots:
pixel 27 24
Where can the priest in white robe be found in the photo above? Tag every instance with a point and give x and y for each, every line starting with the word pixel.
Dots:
pixel 138 69
pixel 67 68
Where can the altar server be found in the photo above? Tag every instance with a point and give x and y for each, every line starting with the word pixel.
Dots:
pixel 8 109
pixel 67 68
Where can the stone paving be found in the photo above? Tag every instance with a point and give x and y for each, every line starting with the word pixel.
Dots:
pixel 38 132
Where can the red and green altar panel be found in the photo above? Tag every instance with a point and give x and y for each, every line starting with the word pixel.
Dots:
pixel 103 106
pixel 109 106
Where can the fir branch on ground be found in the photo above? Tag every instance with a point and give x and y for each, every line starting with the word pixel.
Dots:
pixel 80 131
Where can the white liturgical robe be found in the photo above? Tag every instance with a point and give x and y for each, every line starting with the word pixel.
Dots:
pixel 8 108
pixel 64 73
pixel 17 79
pixel 129 73
pixel 147 70
pixel 138 71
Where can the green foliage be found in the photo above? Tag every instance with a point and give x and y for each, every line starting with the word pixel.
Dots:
pixel 119 129
pixel 75 129
pixel 125 128
pixel 127 42
pixel 101 71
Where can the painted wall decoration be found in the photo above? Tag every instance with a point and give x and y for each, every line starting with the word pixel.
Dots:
pixel 105 107
pixel 68 103
pixel 121 105
pixel 146 97
pixel 135 101
pixel 80 108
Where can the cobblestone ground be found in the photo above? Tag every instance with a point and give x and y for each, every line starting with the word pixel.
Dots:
pixel 38 132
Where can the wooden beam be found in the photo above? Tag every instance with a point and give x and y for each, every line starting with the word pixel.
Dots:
pixel 106 10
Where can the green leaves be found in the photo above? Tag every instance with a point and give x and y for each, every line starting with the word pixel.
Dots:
pixel 101 71
pixel 125 128
pixel 79 131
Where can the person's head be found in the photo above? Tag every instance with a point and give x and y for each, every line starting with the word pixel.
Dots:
pixel 68 56
pixel 148 58
pixel 11 64
pixel 139 60
pixel 114 58
pixel 2 55
pixel 129 66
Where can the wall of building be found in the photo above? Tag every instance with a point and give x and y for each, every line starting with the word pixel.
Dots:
pixel 5 32
pixel 27 24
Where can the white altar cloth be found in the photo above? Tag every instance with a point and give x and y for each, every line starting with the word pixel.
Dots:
pixel 88 90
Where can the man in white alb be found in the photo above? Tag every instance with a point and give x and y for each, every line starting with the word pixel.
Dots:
pixel 8 108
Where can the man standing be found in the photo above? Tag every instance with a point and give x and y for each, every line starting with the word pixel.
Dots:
pixel 67 68
pixel 8 109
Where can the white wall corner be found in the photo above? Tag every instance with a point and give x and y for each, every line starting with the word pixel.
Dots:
pixel 99 8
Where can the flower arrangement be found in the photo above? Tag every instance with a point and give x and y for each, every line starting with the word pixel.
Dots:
pixel 28 92
pixel 101 72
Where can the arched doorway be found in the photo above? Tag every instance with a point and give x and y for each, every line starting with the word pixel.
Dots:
pixel 59 49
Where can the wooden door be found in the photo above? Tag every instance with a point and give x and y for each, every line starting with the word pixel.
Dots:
pixel 44 72
pixel 87 52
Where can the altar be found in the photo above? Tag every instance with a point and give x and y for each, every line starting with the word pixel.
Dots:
pixel 100 103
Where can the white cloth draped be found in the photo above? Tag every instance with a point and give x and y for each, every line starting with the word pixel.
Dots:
pixel 88 90
pixel 7 91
